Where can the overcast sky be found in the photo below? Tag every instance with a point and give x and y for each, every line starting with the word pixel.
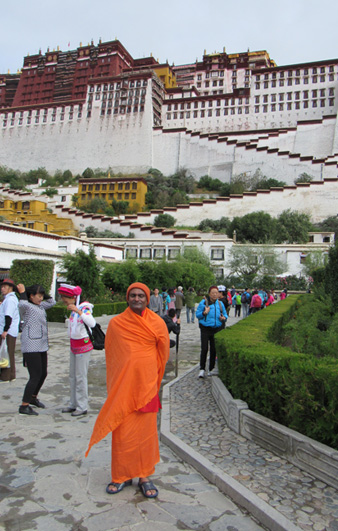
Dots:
pixel 292 31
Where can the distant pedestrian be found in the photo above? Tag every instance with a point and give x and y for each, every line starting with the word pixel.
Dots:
pixel 223 297
pixel 165 300
pixel 246 299
pixel 172 299
pixel 173 324
pixel 282 296
pixel 190 299
pixel 179 301
pixel 34 342
pixel 236 299
pixel 271 298
pixel 256 302
pixel 156 302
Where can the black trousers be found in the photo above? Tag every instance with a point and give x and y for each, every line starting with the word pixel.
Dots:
pixel 208 338
pixel 36 363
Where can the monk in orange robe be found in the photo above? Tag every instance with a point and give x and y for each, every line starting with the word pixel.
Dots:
pixel 137 350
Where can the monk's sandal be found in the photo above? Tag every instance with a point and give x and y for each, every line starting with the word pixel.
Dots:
pixel 118 486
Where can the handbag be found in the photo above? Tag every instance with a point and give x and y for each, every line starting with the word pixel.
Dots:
pixel 4 356
pixel 96 336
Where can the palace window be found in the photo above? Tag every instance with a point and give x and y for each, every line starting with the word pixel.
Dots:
pixel 159 253
pixel 217 254
pixel 131 253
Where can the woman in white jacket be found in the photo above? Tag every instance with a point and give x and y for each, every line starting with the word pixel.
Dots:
pixel 80 348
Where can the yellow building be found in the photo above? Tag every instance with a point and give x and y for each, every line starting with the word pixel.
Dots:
pixel 131 189
pixel 166 75
pixel 35 215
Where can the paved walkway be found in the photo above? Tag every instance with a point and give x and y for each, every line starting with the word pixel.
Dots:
pixel 47 485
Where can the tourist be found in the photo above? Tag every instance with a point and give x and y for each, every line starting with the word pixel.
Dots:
pixel 246 299
pixel 34 342
pixel 179 302
pixel 137 350
pixel 165 300
pixel 156 302
pixel 271 298
pixel 256 302
pixel 9 326
pixel 237 302
pixel 173 324
pixel 80 348
pixel 211 314
pixel 190 299
pixel 283 294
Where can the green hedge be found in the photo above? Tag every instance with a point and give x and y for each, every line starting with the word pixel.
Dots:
pixel 59 312
pixel 30 272
pixel 294 389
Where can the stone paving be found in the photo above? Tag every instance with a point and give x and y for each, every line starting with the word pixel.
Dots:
pixel 195 419
pixel 47 484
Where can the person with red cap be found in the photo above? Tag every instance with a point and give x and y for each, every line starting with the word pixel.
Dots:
pixel 80 348
pixel 137 350
pixel 9 325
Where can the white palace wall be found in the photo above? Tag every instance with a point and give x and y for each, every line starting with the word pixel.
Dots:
pixel 123 141
pixel 319 200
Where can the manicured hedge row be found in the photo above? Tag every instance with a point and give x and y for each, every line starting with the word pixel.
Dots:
pixel 59 313
pixel 294 389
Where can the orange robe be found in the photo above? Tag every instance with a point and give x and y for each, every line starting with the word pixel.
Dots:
pixel 137 350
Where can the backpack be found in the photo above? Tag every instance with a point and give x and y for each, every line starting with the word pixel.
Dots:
pixel 164 296
pixel 244 299
pixel 96 336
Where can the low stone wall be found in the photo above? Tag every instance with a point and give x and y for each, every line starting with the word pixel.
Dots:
pixel 317 459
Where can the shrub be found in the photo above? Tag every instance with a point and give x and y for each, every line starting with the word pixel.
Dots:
pixel 294 389
pixel 29 272
pixel 59 312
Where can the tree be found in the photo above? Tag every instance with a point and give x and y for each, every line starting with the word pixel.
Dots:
pixel 84 270
pixel 120 207
pixel 88 173
pixel 95 205
pixel 257 227
pixel 210 225
pixel 50 192
pixel 250 262
pixel 194 255
pixel 329 224
pixel 292 227
pixel 164 220
pixel 118 277
pixel 331 276
pixel 314 261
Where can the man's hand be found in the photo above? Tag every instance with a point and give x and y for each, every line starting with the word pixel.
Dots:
pixel 4 334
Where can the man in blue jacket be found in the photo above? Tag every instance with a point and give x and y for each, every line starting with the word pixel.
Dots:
pixel 212 315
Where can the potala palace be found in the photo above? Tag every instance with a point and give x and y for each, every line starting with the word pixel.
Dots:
pixel 97 106
pixel 228 114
